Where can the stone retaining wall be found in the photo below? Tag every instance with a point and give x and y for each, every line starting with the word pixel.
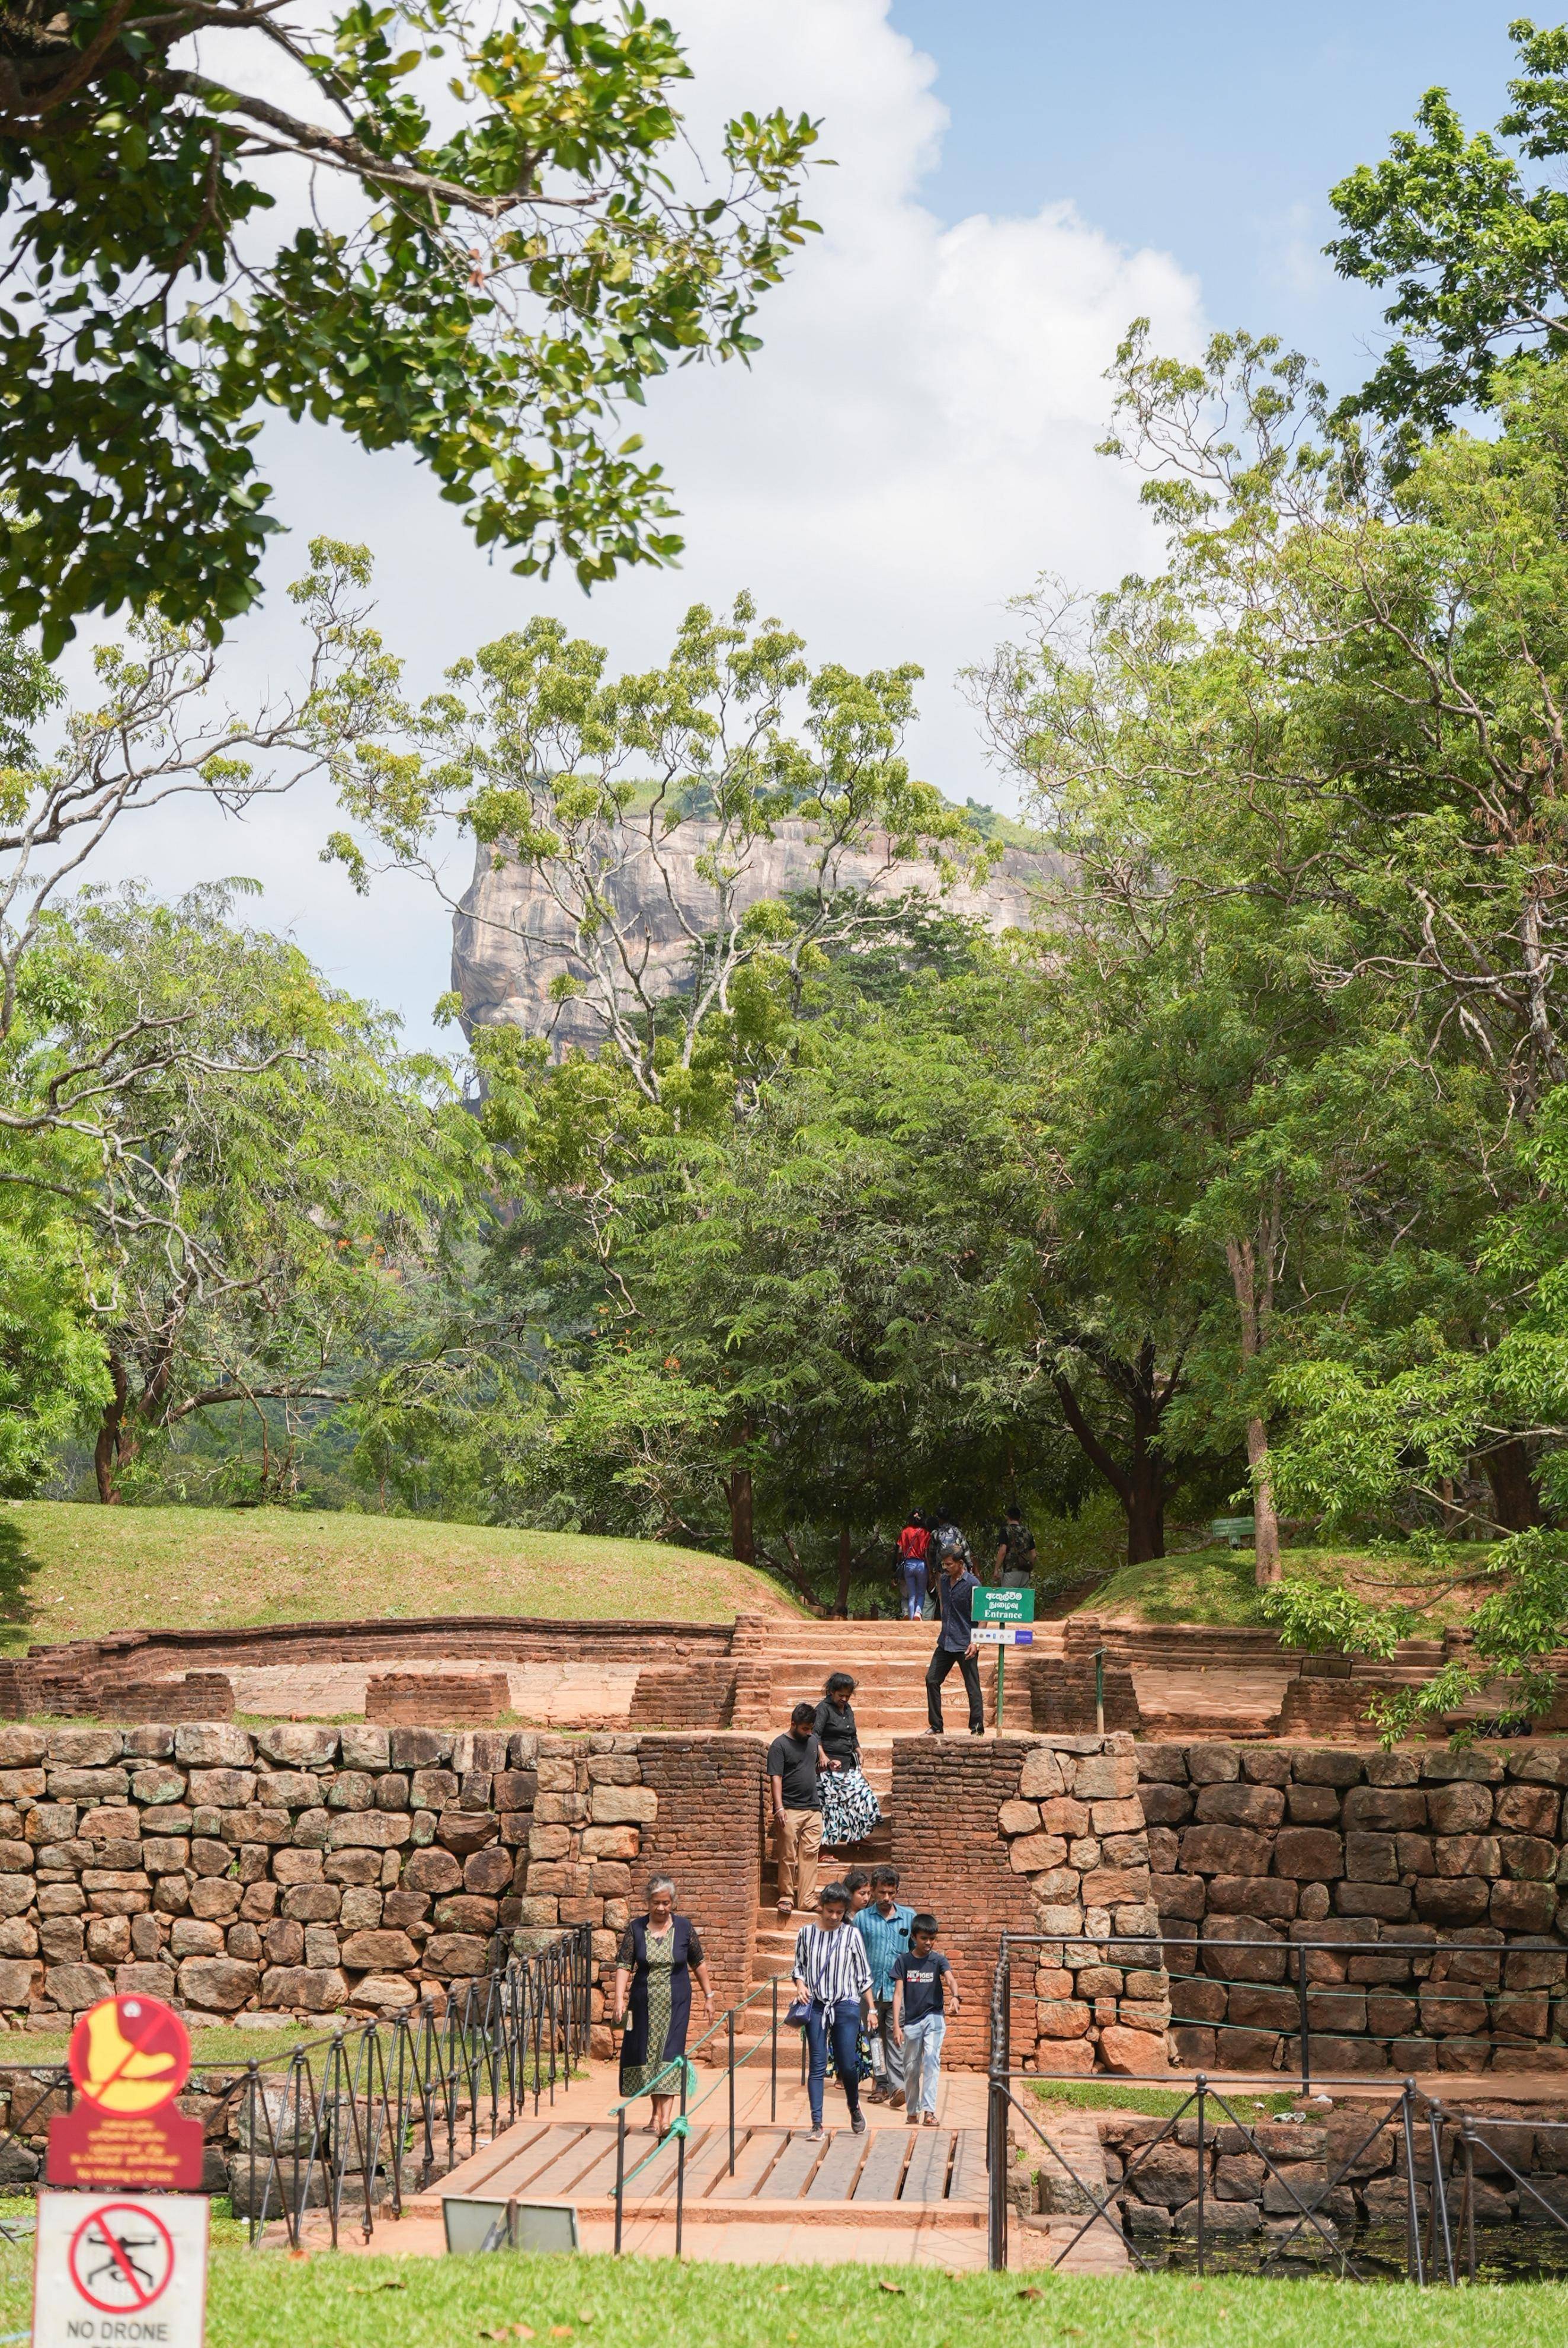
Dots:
pixel 1433 1864
pixel 303 1870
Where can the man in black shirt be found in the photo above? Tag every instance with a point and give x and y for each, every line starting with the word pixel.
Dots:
pixel 795 1783
pixel 1016 1552
pixel 956 1645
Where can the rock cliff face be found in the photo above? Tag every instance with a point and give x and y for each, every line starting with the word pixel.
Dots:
pixel 512 938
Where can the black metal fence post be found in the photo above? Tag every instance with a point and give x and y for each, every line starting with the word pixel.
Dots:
pixel 1468 2140
pixel 681 2162
pixel 1203 2162
pixel 774 2058
pixel 1301 2009
pixel 1413 2262
pixel 620 2172
pixel 731 2020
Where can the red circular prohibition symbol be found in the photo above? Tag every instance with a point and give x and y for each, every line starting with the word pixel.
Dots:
pixel 121 2257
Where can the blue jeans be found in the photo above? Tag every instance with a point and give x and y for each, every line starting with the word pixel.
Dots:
pixel 841 2023
pixel 923 2061
pixel 915 1591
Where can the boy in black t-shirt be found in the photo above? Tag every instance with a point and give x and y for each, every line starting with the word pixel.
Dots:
pixel 923 1990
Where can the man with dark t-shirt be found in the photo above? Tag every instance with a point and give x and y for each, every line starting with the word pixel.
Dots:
pixel 794 1784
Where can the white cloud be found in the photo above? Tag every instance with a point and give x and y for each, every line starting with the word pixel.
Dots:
pixel 914 443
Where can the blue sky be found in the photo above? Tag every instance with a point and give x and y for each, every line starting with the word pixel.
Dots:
pixel 1213 129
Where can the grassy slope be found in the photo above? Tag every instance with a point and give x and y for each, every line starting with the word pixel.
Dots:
pixel 259 2298
pixel 102 1570
pixel 1216 1585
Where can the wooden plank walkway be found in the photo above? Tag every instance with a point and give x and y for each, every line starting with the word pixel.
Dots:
pixel 560 2161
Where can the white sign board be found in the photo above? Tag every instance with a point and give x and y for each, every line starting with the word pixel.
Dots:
pixel 1004 1634
pixel 122 2269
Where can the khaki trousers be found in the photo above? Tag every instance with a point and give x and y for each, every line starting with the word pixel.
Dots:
pixel 796 1845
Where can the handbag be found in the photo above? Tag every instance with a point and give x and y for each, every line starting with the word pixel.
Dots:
pixel 799 2013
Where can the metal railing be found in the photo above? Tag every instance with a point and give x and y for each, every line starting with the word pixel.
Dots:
pixel 1422 2121
pixel 1296 1979
pixel 357 2118
pixel 679 2071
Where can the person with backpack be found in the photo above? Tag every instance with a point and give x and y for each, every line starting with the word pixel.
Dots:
pixel 914 1543
pixel 1016 1552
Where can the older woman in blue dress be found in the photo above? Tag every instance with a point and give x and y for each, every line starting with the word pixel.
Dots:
pixel 659 1955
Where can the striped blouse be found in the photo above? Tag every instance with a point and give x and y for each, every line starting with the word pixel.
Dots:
pixel 832 1964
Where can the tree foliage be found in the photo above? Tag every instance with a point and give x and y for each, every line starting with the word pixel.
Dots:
pixel 492 242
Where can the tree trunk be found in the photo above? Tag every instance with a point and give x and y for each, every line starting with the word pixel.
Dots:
pixel 842 1608
pixel 1254 1300
pixel 1140 1486
pixel 1515 1501
pixel 742 1536
pixel 108 1450
pixel 1266 1523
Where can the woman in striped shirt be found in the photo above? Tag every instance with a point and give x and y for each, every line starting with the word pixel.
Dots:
pixel 831 1970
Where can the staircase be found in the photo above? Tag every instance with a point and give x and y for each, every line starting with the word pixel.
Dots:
pixel 789 1664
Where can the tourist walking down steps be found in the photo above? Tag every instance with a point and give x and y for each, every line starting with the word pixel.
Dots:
pixel 658 1955
pixel 956 1587
pixel 849 1808
pixel 794 1788
pixel 832 1978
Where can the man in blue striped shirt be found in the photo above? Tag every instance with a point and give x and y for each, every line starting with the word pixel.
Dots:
pixel 885 1929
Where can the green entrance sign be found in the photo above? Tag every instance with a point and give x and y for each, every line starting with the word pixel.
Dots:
pixel 1004 1606
pixel 1002 1619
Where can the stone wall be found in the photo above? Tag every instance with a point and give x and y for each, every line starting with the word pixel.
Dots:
pixel 704 1832
pixel 303 1870
pixel 1432 1864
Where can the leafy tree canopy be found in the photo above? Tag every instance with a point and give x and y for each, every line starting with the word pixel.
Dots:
pixel 1473 239
pixel 484 273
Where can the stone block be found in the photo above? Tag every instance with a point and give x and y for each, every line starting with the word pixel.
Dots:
pixel 1063 2017
pixel 1384 1809
pixel 467 1912
pixel 358 1867
pixel 1270 1900
pixel 212 1744
pixel 1389 1900
pixel 1212 1764
pixel 1528 1809
pixel 432 1870
pixel 1453 1900
pixel 378 1951
pixel 1529 1857
pixel 367 1830
pixel 1018 1818
pixel 1225 1850
pixel 1030 1854
pixel 1105 1777
pixel 1523 1906
pixel 83 1748
pixel 515 1789
pixel 464 1831
pixel 1459 1809
pixel 74 1987
pixel 454 1955
pixel 418 1748
pixel 487 1872
pixel 614 1806
pixel 1468 1854
pixel 1308 1853
pixel 311 1989
pixel 1324 1765
pixel 89 1785
pixel 1239 1805
pixel 611 1843
pixel 389 1992
pixel 1041 1775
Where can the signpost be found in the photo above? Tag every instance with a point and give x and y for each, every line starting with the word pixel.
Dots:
pixel 1003 1619
pixel 130 2057
pixel 109 2267
pixel 126 2262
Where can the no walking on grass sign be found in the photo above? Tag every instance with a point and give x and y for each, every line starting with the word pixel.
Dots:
pixel 123 2264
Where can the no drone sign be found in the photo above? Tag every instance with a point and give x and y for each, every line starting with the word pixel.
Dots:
pixel 120 2268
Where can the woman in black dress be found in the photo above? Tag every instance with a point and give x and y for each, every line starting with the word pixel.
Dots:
pixel 658 1954
pixel 849 1808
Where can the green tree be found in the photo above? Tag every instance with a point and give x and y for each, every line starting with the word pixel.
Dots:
pixel 1474 239
pixel 495 268
pixel 247 1233
pixel 639 816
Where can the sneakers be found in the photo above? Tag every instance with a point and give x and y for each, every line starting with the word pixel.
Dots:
pixel 857 2125
pixel 815 2135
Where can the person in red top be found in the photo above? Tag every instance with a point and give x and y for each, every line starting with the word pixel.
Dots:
pixel 913 1544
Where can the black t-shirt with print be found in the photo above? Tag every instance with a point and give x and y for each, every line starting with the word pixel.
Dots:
pixel 922 1980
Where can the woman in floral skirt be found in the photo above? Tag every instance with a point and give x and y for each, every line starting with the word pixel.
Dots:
pixel 849 1808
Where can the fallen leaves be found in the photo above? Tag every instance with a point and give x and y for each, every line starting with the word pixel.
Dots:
pixel 895 2288
pixel 1030 2291
pixel 508 2331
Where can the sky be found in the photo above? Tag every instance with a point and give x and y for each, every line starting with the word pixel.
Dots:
pixel 1014 180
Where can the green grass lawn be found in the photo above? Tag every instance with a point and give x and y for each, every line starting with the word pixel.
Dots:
pixel 86 1570
pixel 1155 2102
pixel 1216 1586
pixel 258 2299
